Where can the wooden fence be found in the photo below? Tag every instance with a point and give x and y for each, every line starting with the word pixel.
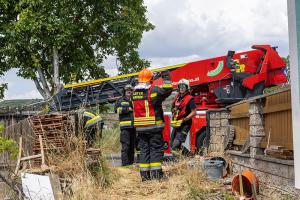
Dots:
pixel 13 131
pixel 277 119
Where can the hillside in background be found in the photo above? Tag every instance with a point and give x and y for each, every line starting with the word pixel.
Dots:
pixel 18 102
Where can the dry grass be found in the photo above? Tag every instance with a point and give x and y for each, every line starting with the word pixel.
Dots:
pixel 130 186
pixel 199 186
pixel 86 177
pixel 110 141
pixel 98 180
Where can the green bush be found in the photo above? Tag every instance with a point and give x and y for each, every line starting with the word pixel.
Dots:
pixel 8 145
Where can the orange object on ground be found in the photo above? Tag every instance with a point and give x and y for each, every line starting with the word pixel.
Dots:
pixel 145 76
pixel 248 178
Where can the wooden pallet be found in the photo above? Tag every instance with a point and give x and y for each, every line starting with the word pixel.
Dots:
pixel 52 128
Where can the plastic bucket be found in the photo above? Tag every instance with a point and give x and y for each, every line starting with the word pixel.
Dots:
pixel 225 164
pixel 213 169
pixel 248 179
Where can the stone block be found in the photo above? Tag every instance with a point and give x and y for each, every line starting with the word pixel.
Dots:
pixel 212 147
pixel 218 115
pixel 255 141
pixel 255 108
pixel 215 123
pixel 212 131
pixel 219 131
pixel 212 115
pixel 291 172
pixel 219 148
pixel 256 120
pixel 224 122
pixel 257 131
pixel 224 115
pixel 217 139
pixel 255 151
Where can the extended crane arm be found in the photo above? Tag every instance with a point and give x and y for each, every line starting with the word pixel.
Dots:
pixel 220 80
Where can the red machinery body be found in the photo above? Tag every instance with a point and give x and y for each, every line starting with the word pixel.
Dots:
pixel 220 81
pixel 215 83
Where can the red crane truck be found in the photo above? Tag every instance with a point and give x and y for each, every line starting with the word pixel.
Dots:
pixel 215 83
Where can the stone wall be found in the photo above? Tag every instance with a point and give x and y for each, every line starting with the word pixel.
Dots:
pixel 218 125
pixel 257 132
pixel 276 176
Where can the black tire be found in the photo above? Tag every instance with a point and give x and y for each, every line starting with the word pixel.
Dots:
pixel 201 140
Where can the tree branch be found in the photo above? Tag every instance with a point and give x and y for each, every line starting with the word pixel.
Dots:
pixel 44 82
pixel 40 89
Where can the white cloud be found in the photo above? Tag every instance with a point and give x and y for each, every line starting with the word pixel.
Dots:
pixel 191 30
pixel 210 28
pixel 167 61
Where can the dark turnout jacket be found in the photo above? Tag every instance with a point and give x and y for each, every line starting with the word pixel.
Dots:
pixel 122 107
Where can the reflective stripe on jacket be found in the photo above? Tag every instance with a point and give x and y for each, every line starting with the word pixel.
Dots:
pixel 122 107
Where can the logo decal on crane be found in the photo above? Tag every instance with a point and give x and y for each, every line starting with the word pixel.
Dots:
pixel 216 71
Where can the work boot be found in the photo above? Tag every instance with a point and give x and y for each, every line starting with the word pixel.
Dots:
pixel 145 175
pixel 157 174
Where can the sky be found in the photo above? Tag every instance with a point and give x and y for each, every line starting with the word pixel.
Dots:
pixel 190 30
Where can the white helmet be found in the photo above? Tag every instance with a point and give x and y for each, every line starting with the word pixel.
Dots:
pixel 184 82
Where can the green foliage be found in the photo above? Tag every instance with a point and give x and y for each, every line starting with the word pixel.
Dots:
pixel 288 67
pixel 18 102
pixel 3 87
pixel 83 32
pixel 8 145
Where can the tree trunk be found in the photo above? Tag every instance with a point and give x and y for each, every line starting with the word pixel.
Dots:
pixel 56 71
pixel 39 88
pixel 44 83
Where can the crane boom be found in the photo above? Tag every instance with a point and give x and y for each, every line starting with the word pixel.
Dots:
pixel 220 80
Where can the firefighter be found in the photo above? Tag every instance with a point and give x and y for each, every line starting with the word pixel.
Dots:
pixel 123 107
pixel 149 122
pixel 183 110
pixel 91 121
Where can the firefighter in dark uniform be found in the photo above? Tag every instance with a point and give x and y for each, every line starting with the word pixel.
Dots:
pixel 183 110
pixel 91 122
pixel 123 107
pixel 149 122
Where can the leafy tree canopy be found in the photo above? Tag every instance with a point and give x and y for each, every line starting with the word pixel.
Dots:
pixel 54 42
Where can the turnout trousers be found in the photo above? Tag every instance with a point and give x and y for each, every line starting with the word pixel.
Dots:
pixel 128 142
pixel 179 136
pixel 151 147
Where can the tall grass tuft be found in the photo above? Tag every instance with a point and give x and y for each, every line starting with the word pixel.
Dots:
pixel 110 141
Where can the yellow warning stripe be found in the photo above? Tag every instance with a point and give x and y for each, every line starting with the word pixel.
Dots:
pixel 89 114
pixel 119 77
pixel 125 122
pixel 176 123
pixel 167 85
pixel 144 118
pixel 153 95
pixel 97 118
pixel 144 165
pixel 155 164
pixel 147 108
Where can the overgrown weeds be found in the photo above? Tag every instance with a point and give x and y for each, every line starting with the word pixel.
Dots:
pixel 110 141
pixel 86 175
pixel 199 187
